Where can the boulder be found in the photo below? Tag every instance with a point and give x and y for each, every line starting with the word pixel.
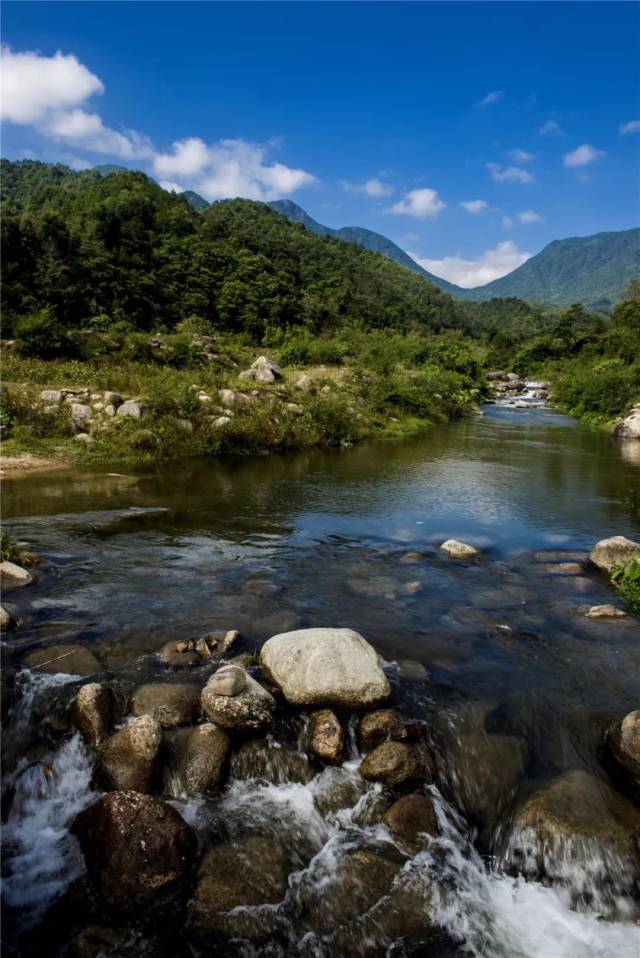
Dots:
pixel 566 812
pixel 605 612
pixel 395 763
pixel 326 738
pixel 232 880
pixel 334 667
pixel 14 575
pixel 113 399
pixel 138 850
pixel 51 396
pixel 617 551
pixel 359 880
pixel 276 765
pixel 410 819
pixel 384 725
pixel 202 756
pixel 336 787
pixel 93 712
pixel 169 704
pixel 304 383
pixel 459 550
pixel 231 399
pixel 84 438
pixel 623 739
pixel 132 409
pixel 128 760
pixel 70 659
pixel 7 620
pixel 251 708
pixel 629 427
pixel 263 370
pixel 81 415
pixel 220 422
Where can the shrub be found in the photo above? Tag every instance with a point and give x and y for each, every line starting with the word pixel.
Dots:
pixel 41 335
pixel 627 581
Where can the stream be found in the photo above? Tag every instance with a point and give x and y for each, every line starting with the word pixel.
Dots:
pixel 515 685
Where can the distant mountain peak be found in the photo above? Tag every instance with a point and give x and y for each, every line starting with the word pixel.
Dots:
pixel 195 200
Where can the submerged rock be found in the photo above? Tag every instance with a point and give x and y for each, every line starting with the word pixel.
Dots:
pixel 411 818
pixel 395 763
pixel 275 764
pixel 93 712
pixel 624 741
pixel 139 851
pixel 359 880
pixel 459 550
pixel 325 667
pixel 326 738
pixel 384 725
pixel 613 552
pixel 71 659
pixel 169 704
pixel 251 708
pixel 232 880
pixel 128 760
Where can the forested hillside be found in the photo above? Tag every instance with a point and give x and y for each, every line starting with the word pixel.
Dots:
pixel 95 249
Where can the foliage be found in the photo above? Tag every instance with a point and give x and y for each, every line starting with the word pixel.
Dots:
pixel 627 581
pixel 8 551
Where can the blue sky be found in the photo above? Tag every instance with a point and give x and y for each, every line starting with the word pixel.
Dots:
pixel 472 134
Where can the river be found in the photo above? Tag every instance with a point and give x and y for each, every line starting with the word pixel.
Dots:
pixel 350 538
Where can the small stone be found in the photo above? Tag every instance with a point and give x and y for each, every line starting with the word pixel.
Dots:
pixel 179 654
pixel 459 550
pixel 14 575
pixel 305 383
pixel 229 680
pixel 220 422
pixel 110 409
pixel 326 738
pixel 378 727
pixel 605 612
pixel 182 646
pixel 51 396
pixel 233 400
pixel 394 763
pixel 81 414
pixel 93 712
pixel 84 438
pixel 113 399
pixel 7 620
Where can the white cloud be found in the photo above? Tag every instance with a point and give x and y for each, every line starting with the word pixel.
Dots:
pixel 509 174
pixel 474 206
pixel 231 168
pixel 551 128
pixel 422 203
pixel 492 264
pixel 371 187
pixel 33 85
pixel 530 216
pixel 171 186
pixel 507 222
pixel 582 156
pixel 493 97
pixel 521 156
pixel 633 126
pixel 50 93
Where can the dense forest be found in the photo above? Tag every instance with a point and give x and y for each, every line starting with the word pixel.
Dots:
pixel 95 250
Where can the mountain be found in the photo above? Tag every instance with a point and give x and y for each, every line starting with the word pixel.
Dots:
pixel 104 169
pixel 194 200
pixel 592 270
pixel 93 250
pixel 375 242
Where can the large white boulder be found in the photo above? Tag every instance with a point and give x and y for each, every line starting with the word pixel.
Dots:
pixel 325 667
pixel 614 551
pixel 629 427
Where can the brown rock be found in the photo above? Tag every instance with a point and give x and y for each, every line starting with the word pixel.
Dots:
pixel 72 659
pixel 167 703
pixel 605 612
pixel 411 818
pixel 394 763
pixel 139 851
pixel 202 755
pixel 128 760
pixel 624 741
pixel 232 879
pixel 250 709
pixel 259 760
pixel 381 726
pixel 360 880
pixel 93 712
pixel 326 738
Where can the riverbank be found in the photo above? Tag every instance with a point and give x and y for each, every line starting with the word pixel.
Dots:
pixel 236 402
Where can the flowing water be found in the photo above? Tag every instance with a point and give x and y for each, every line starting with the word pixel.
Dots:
pixel 497 657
